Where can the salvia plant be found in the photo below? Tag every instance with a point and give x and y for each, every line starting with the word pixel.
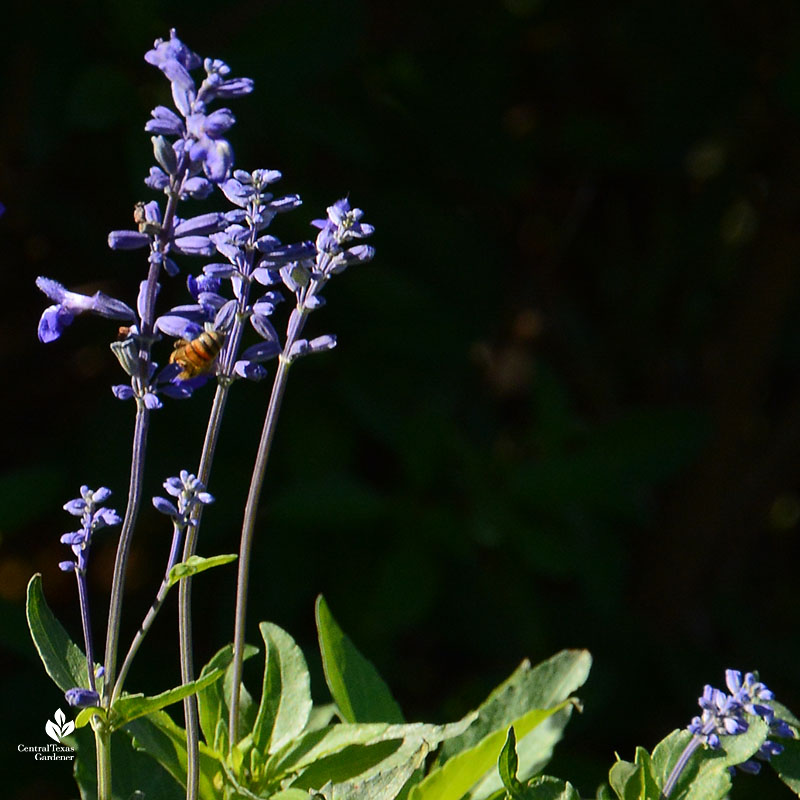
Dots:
pixel 272 741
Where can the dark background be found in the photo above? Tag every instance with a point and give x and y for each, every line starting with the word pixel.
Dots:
pixel 565 406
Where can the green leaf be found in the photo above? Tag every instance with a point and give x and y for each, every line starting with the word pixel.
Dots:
pixel 346 764
pixel 635 781
pixel 543 686
pixel 508 763
pixel 787 764
pixel 132 772
pixel 373 768
pixel 195 564
pixel 286 695
pixel 321 745
pixel 291 794
pixel 706 776
pixel 626 780
pixel 387 781
pixel 460 773
pixel 62 658
pixel 247 706
pixel 85 715
pixel 211 700
pixel 548 788
pixel 161 738
pixel 354 683
pixel 132 706
pixel 315 745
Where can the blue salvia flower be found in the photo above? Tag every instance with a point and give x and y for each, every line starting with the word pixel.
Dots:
pixel 69 305
pixel 725 715
pixel 189 493
pixel 94 517
pixel 753 696
pixel 82 698
pixel 200 134
pixel 335 251
pixel 252 258
pixel 188 237
pixel 341 228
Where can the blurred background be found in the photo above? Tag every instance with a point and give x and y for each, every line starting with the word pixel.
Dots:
pixel 565 406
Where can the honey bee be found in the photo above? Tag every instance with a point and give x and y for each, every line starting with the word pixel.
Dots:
pixel 150 227
pixel 197 356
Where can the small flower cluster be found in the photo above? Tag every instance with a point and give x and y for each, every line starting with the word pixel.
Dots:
pixel 189 492
pixel 93 518
pixel 724 714
pixel 200 134
pixel 252 258
pixel 335 252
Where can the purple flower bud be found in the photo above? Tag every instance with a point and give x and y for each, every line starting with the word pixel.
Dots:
pixel 67 566
pixel 288 203
pixel 224 318
pixel 165 121
pixel 172 49
pixel 203 224
pixel 249 370
pixel 127 240
pixel 218 270
pixel 266 276
pixel 264 327
pixel 263 351
pixel 265 306
pixel 237 193
pixel 194 245
pixel 82 698
pixel 122 391
pixel 219 121
pixel 198 188
pixel 151 401
pixel 165 506
pixel 165 155
pixel 238 87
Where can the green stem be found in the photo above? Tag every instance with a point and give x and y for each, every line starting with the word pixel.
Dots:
pixel 102 741
pixel 246 543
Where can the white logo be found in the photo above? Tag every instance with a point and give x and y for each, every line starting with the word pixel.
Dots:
pixel 60 728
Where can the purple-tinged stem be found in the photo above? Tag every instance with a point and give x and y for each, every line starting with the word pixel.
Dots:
pixel 185 588
pixel 137 455
pixel 296 323
pixel 680 765
pixel 152 612
pixel 87 628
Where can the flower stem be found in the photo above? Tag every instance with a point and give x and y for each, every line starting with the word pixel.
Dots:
pixel 680 765
pixel 246 543
pixel 139 638
pixel 190 545
pixel 102 743
pixel 123 548
pixel 87 627
pixel 185 595
pixel 139 442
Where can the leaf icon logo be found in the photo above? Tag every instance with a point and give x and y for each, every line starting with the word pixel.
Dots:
pixel 60 728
